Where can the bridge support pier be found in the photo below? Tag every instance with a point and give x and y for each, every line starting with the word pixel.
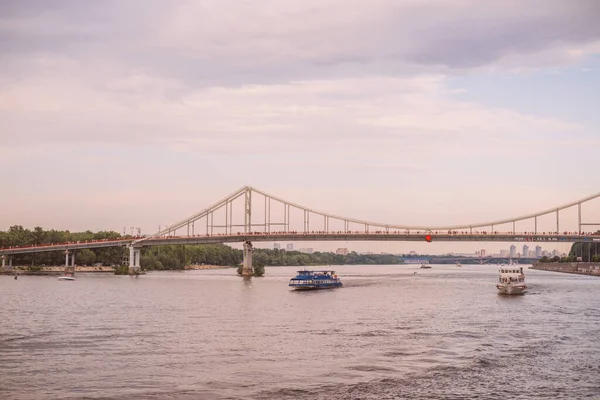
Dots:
pixel 4 266
pixel 134 260
pixel 69 269
pixel 247 263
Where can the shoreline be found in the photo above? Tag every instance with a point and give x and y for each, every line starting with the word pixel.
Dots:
pixel 45 271
pixel 575 268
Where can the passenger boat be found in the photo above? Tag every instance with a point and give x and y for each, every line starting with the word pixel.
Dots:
pixel 306 279
pixel 423 266
pixel 511 280
pixel 66 278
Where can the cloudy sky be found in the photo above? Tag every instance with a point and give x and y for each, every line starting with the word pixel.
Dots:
pixel 426 112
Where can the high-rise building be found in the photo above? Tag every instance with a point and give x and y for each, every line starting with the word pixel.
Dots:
pixel 276 246
pixel 513 251
pixel 538 251
pixel 482 253
pixel 342 250
pixel 525 251
pixel 289 247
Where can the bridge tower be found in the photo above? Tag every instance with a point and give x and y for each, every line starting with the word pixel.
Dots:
pixel 247 263
pixel 134 260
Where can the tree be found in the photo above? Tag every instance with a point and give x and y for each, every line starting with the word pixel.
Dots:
pixel 85 257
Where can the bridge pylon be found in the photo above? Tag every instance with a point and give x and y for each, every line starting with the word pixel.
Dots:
pixel 134 260
pixel 69 269
pixel 247 270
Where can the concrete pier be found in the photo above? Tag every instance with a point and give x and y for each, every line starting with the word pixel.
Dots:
pixel 134 260
pixel 69 269
pixel 247 263
pixel 8 267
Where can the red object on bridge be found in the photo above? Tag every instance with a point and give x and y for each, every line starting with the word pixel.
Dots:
pixel 428 238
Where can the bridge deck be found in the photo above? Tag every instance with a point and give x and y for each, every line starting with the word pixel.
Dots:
pixel 307 237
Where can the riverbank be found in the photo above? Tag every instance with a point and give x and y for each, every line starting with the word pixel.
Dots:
pixel 580 268
pixel 204 266
pixel 21 270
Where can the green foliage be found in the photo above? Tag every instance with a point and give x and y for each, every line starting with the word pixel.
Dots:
pixel 173 257
pixel 19 236
pixel 122 270
pixel 279 257
pixel 544 259
pixel 586 250
pixel 85 257
pixel 258 269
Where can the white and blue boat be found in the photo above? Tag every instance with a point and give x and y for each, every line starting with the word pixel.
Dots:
pixel 306 279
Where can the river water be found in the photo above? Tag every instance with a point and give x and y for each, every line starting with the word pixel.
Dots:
pixel 443 333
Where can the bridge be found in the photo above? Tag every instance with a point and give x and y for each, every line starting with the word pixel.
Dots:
pixel 251 215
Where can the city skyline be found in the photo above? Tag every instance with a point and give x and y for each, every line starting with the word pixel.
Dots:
pixel 538 250
pixel 405 112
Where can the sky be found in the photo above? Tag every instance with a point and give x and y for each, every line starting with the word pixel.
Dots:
pixel 431 112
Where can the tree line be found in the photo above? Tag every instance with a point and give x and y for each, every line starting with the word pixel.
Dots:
pixel 168 257
pixel 587 251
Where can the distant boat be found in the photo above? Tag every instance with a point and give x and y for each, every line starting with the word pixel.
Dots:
pixel 458 264
pixel 423 266
pixel 306 279
pixel 66 278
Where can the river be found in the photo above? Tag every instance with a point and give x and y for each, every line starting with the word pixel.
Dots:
pixel 443 333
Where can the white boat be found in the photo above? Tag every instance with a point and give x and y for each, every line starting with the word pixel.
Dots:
pixel 511 280
pixel 66 278
pixel 458 264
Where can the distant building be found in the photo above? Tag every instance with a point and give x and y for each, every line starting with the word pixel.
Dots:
pixel 525 251
pixel 513 251
pixel 277 246
pixel 342 250
pixel 307 250
pixel 482 253
pixel 289 247
pixel 504 253
pixel 538 251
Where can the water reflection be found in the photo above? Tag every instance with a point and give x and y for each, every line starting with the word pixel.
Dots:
pixel 443 333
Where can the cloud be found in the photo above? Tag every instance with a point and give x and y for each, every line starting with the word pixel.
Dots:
pixel 234 42
pixel 378 113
